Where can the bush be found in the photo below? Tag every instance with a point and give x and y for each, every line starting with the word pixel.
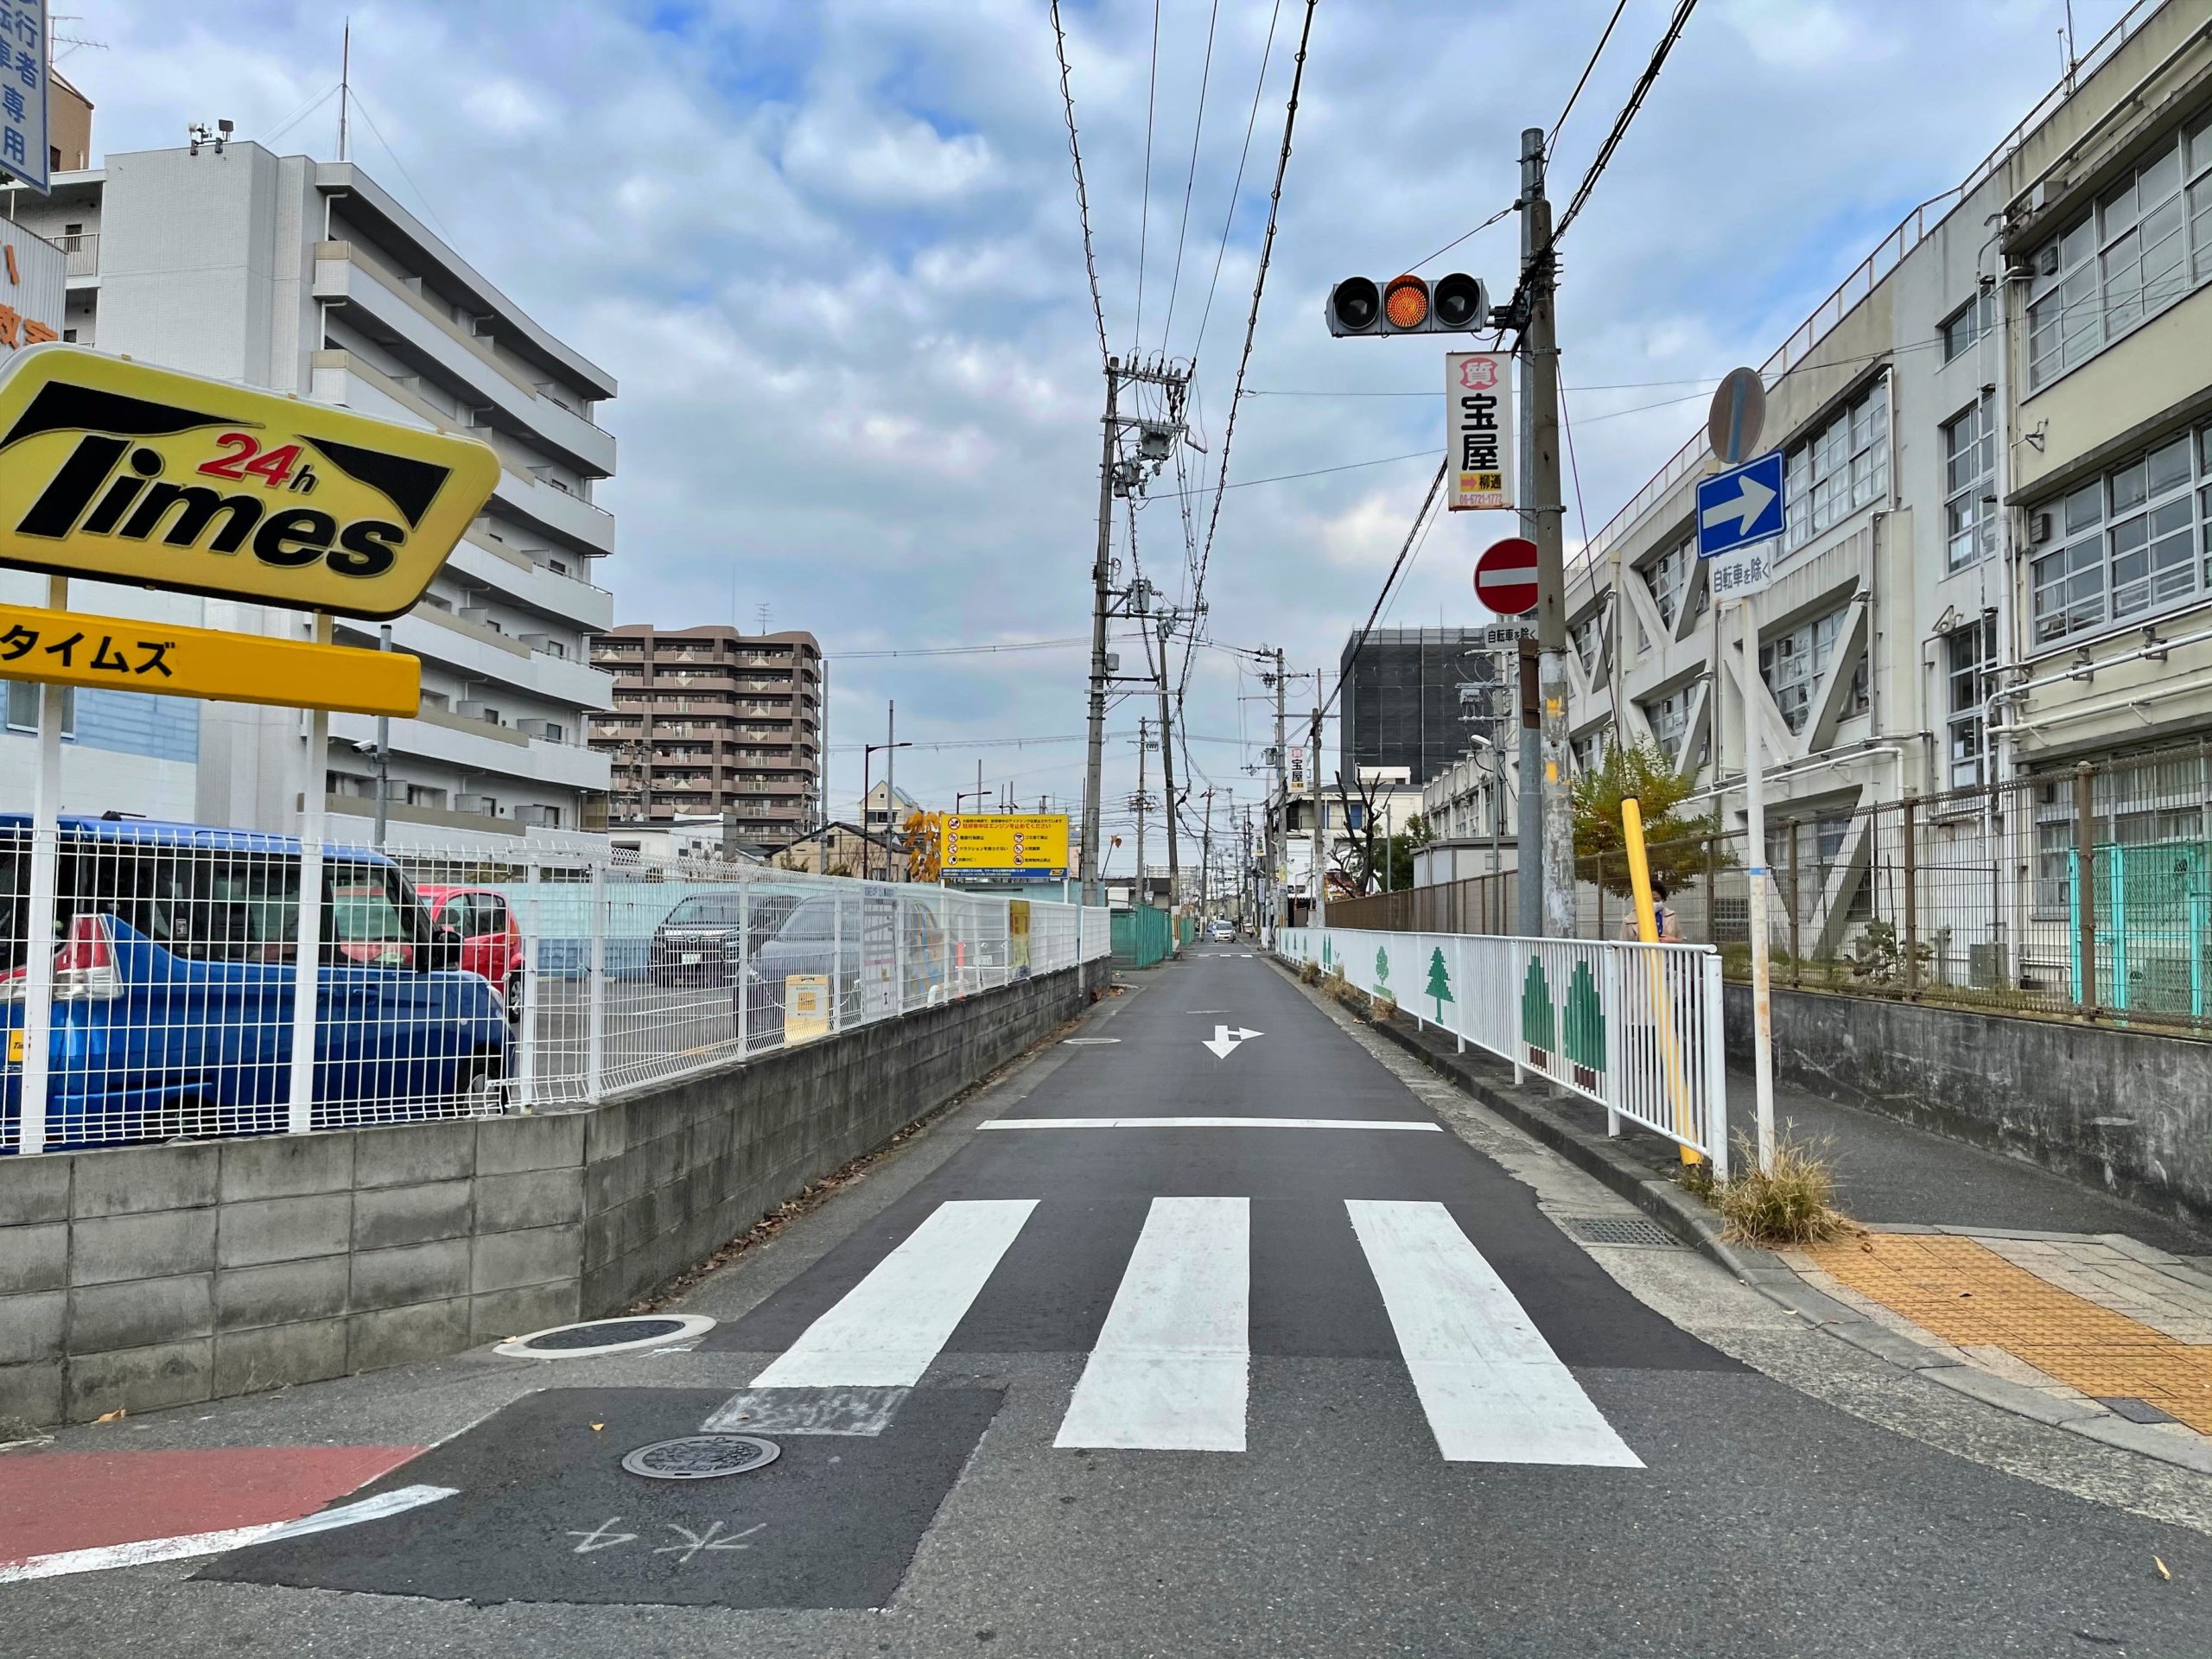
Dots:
pixel 1790 1205
pixel 1309 974
pixel 1384 1003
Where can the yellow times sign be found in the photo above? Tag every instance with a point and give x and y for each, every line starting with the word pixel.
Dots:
pixel 1035 844
pixel 70 648
pixel 119 471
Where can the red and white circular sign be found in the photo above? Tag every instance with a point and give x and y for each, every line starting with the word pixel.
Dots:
pixel 1505 576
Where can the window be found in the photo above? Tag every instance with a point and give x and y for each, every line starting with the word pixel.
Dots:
pixel 350 785
pixel 424 795
pixel 22 707
pixel 1968 324
pixel 1841 468
pixel 1969 474
pixel 1968 655
pixel 2146 242
pixel 2127 545
pixel 1669 718
pixel 1792 665
pixel 1665 577
pixel 1587 637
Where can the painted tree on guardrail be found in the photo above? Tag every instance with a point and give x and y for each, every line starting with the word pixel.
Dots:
pixel 1439 982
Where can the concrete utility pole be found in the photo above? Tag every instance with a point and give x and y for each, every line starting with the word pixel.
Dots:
pixel 1205 861
pixel 1320 815
pixel 1543 504
pixel 891 791
pixel 1167 771
pixel 1278 830
pixel 1092 892
pixel 1143 742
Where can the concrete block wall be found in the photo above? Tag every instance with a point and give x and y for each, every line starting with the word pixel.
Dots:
pixel 153 1277
pixel 2128 1111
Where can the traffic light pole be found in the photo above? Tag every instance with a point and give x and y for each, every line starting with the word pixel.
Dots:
pixel 1544 505
pixel 1093 892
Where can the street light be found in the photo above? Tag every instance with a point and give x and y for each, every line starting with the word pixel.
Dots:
pixel 869 752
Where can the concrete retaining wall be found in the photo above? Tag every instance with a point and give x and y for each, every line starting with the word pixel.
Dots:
pixel 153 1277
pixel 2129 1111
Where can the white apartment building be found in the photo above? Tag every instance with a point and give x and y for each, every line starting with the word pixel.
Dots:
pixel 304 277
pixel 1999 553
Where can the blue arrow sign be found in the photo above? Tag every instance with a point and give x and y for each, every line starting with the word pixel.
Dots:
pixel 1740 506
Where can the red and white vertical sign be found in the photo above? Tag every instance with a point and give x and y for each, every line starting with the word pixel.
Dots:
pixel 1479 428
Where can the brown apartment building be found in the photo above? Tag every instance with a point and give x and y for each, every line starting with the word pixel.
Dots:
pixel 711 720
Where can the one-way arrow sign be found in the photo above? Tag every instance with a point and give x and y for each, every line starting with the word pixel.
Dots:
pixel 1225 1039
pixel 1741 505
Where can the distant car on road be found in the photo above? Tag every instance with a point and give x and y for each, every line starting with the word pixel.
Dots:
pixel 1223 933
pixel 490 938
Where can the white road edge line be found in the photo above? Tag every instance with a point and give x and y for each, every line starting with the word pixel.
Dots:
pixel 1170 1369
pixel 887 1329
pixel 1491 1387
pixel 1209 1123
pixel 185 1546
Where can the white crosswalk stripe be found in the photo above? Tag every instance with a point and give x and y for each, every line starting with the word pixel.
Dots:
pixel 1171 1369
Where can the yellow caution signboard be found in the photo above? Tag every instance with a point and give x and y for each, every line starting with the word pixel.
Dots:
pixel 806 1007
pixel 70 648
pixel 1006 847
pixel 1017 937
pixel 125 472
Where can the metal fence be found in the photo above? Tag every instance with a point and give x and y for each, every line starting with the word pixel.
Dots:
pixel 186 996
pixel 1635 1028
pixel 1995 895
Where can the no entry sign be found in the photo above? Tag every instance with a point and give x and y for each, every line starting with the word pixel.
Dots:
pixel 1505 576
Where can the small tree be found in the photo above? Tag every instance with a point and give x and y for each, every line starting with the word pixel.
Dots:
pixel 1676 844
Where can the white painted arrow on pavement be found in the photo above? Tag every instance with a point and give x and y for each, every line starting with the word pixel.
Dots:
pixel 1745 509
pixel 1224 1040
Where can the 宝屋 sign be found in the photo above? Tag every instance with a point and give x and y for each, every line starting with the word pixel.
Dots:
pixel 125 472
pixel 23 150
pixel 1479 428
pixel 34 288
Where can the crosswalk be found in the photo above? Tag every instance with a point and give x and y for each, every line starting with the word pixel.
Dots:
pixel 1171 1368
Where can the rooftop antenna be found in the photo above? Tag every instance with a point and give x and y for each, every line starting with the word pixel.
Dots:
pixel 345 84
pixel 760 615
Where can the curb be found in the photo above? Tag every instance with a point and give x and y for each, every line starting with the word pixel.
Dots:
pixel 1693 1225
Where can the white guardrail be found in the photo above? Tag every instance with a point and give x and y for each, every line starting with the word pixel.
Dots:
pixel 1634 1027
pixel 445 982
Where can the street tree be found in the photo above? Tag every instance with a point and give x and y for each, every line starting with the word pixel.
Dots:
pixel 1677 843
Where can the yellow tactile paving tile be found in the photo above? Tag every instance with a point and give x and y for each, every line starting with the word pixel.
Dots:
pixel 1966 1294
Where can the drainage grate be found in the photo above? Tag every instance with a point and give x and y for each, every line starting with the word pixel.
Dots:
pixel 594 1337
pixel 1615 1230
pixel 2135 1410
pixel 702 1457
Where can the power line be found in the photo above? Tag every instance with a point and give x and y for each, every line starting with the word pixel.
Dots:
pixel 958 651
pixel 1082 195
pixel 1621 124
pixel 1457 240
pixel 1596 52
pixel 1318 471
pixel 1236 186
pixel 1144 217
pixel 1428 503
pixel 1190 179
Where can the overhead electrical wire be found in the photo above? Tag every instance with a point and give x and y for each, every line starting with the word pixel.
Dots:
pixel 1583 80
pixel 1082 194
pixel 1191 178
pixel 1144 214
pixel 1628 111
pixel 1405 548
pixel 1236 186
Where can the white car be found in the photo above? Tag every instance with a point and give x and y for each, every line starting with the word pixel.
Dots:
pixel 1223 932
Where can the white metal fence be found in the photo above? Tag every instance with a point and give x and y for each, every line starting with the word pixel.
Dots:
pixel 1634 1027
pixel 184 994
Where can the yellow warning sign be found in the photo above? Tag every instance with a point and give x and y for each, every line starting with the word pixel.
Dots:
pixel 806 1007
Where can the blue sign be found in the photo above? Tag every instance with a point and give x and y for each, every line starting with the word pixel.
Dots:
pixel 1742 506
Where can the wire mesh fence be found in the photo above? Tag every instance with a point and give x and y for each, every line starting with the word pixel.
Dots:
pixel 185 995
pixel 2084 890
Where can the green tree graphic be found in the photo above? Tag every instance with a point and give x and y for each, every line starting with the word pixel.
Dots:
pixel 1536 1029
pixel 1585 1025
pixel 1439 982
pixel 1382 966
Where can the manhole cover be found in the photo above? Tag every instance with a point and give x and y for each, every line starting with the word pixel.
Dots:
pixel 594 1336
pixel 1616 1229
pixel 702 1457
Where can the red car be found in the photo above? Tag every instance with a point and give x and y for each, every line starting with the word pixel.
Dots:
pixel 490 938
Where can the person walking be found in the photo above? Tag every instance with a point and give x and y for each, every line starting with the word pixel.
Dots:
pixel 1664 926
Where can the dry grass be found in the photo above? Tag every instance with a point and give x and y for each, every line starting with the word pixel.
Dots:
pixel 1790 1206
pixel 1309 974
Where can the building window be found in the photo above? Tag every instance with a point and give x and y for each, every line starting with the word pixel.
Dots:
pixel 1968 324
pixel 350 785
pixel 2146 242
pixel 22 708
pixel 1669 718
pixel 1587 637
pixel 425 795
pixel 1969 653
pixel 1969 475
pixel 1665 577
pixel 1792 665
pixel 1841 468
pixel 2127 542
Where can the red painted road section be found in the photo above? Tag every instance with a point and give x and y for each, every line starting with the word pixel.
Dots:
pixel 53 1501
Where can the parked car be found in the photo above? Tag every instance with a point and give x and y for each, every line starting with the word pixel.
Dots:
pixel 174 946
pixel 490 938
pixel 852 949
pixel 696 942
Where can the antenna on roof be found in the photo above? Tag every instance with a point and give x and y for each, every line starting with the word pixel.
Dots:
pixel 345 84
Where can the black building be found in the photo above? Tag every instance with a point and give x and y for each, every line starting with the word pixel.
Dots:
pixel 1413 694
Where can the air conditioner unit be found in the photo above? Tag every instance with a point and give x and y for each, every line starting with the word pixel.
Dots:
pixel 478 615
pixel 550 731
pixel 2047 261
pixel 470 709
pixel 2039 528
pixel 482 805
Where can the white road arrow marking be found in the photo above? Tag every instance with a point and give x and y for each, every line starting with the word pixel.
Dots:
pixel 1746 509
pixel 1225 1039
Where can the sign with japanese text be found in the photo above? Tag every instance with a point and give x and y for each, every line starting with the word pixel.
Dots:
pixel 1479 428
pixel 1743 571
pixel 806 1007
pixel 34 290
pixel 72 648
pixel 1296 776
pixel 1006 846
pixel 23 150
pixel 127 473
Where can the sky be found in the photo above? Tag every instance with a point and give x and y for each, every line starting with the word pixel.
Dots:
pixel 831 250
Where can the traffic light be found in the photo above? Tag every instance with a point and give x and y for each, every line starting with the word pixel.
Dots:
pixel 1456 304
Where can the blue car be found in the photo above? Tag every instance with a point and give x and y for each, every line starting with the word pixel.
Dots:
pixel 172 979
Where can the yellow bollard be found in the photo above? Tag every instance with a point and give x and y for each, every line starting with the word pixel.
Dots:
pixel 1647 929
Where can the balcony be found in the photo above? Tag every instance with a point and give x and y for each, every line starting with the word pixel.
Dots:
pixel 82 253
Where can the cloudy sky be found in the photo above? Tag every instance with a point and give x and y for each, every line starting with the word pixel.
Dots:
pixel 830 249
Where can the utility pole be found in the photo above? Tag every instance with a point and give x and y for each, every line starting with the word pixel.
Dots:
pixel 1142 744
pixel 891 791
pixel 1278 830
pixel 1540 355
pixel 1092 892
pixel 1205 861
pixel 1319 914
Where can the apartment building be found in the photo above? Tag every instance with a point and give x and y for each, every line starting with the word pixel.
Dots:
pixel 309 277
pixel 1999 553
pixel 709 721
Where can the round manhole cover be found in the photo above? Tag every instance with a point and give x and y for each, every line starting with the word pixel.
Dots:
pixel 595 1336
pixel 702 1457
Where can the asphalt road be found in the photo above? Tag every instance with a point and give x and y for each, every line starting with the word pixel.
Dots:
pixel 1327 1376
